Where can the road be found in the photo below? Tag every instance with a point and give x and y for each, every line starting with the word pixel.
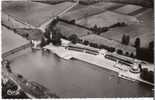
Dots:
pixel 43 26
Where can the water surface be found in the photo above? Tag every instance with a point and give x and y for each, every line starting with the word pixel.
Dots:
pixel 73 78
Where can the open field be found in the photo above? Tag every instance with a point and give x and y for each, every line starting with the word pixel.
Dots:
pixel 49 1
pixel 145 3
pixel 90 11
pixel 128 9
pixel 77 7
pixel 34 13
pixel 11 40
pixel 138 18
pixel 68 29
pixel 143 29
pixel 111 43
pixel 106 19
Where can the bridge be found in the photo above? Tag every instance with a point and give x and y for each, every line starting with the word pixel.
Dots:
pixel 13 22
pixel 4 55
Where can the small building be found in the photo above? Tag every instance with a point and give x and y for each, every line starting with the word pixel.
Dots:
pixel 103 52
pixel 34 35
pixel 65 42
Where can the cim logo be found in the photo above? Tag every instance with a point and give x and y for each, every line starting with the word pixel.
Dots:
pixel 12 92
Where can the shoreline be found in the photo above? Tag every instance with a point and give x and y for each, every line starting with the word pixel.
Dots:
pixel 98 60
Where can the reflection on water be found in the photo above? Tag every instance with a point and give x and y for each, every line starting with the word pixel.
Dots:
pixel 72 78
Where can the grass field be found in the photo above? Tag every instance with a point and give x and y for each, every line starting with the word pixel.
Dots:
pixel 127 9
pixel 147 30
pixel 89 11
pixel 107 19
pixel 50 1
pixel 34 13
pixel 11 40
pixel 77 7
pixel 105 41
pixel 67 30
pixel 144 29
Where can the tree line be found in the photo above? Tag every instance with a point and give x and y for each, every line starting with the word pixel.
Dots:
pixel 141 53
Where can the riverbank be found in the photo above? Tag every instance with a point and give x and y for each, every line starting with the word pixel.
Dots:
pixel 99 60
pixel 31 89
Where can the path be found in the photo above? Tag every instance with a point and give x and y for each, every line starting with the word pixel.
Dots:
pixel 43 26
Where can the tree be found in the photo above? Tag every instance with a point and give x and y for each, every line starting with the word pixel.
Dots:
pixel 72 21
pixel 91 44
pixel 104 29
pixel 132 55
pixel 151 51
pixel 127 53
pixel 95 27
pixel 47 33
pixel 56 37
pixel 151 45
pixel 86 42
pixel 26 35
pixel 127 39
pixel 8 68
pixel 123 39
pixel 95 45
pixel 73 38
pixel 137 43
pixel 80 41
pixel 147 75
pixel 53 23
pixel 88 33
pixel 139 51
pixel 111 49
pixel 19 76
pixel 119 51
pixel 43 42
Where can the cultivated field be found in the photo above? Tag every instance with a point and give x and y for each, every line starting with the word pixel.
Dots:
pixel 89 11
pixel 127 9
pixel 77 7
pixel 147 30
pixel 143 29
pixel 106 19
pixel 34 13
pixel 67 29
